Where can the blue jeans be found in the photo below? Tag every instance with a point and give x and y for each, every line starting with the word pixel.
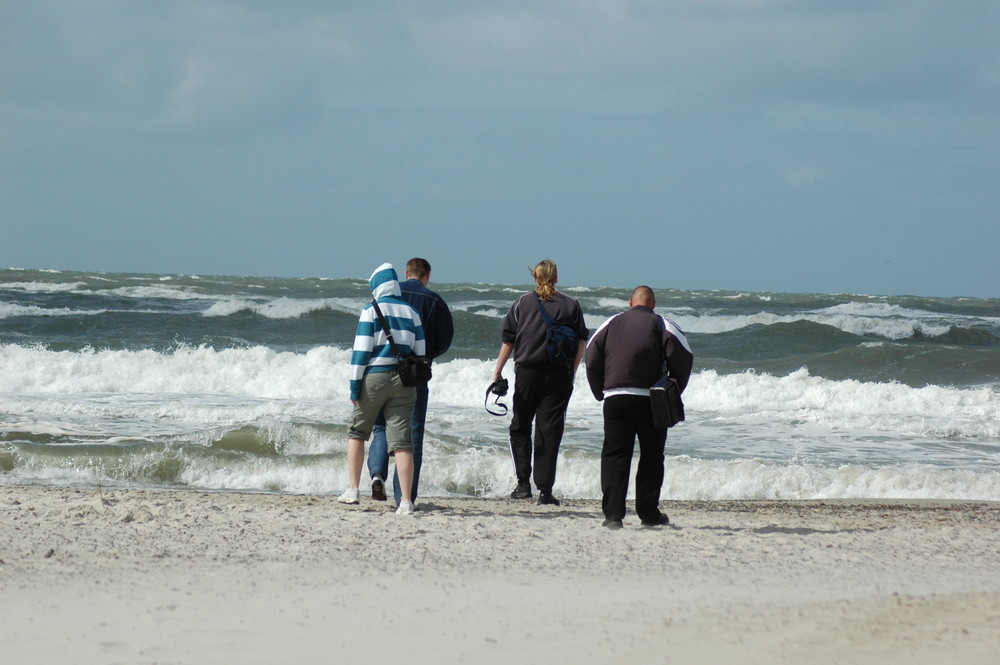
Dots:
pixel 378 455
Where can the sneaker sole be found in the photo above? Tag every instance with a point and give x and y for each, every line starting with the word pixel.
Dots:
pixel 349 502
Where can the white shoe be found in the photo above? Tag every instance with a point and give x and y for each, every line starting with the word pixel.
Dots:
pixel 405 508
pixel 350 496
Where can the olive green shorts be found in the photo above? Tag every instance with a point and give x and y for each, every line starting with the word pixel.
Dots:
pixel 384 392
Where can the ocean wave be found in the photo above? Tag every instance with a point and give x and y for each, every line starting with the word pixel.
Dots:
pixel 156 292
pixel 257 420
pixel 11 311
pixel 930 412
pixel 481 472
pixel 486 310
pixel 749 296
pixel 41 287
pixel 283 308
pixel 874 309
pixel 862 326
pixel 145 291
pixel 706 480
pixel 322 374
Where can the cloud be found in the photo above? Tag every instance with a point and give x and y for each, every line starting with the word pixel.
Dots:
pixel 720 122
pixel 200 62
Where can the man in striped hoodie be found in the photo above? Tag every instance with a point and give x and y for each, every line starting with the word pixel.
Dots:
pixel 375 385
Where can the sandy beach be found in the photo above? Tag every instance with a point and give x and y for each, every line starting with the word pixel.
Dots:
pixel 129 576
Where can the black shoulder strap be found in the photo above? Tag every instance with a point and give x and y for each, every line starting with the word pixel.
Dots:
pixel 385 328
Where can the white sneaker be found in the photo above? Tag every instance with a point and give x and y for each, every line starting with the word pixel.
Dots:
pixel 405 508
pixel 350 496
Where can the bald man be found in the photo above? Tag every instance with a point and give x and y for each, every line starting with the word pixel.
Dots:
pixel 625 357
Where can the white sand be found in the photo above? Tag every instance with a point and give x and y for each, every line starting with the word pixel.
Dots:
pixel 179 577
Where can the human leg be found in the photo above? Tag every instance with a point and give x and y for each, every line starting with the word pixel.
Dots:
pixel 649 473
pixel 528 391
pixel 378 450
pixel 616 455
pixel 417 441
pixel 355 457
pixel 550 422
pixel 366 410
pixel 404 474
pixel 398 419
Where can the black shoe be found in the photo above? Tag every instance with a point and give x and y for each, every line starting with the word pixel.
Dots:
pixel 546 499
pixel 522 491
pixel 378 489
pixel 663 520
pixel 614 525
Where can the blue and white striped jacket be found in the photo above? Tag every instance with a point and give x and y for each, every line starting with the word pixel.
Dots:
pixel 372 352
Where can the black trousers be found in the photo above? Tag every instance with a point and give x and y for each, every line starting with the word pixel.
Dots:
pixel 625 417
pixel 541 395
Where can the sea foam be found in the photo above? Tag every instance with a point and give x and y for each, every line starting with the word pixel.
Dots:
pixel 322 374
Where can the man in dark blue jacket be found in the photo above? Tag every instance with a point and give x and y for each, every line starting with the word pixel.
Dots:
pixel 625 357
pixel 439 329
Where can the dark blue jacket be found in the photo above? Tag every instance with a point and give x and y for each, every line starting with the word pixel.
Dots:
pixel 435 316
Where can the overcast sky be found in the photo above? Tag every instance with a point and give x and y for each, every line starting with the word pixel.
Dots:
pixel 760 145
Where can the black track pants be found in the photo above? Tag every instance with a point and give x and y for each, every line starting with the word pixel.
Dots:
pixel 625 417
pixel 541 394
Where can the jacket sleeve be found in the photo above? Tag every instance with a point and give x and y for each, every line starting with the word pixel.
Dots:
pixel 595 364
pixel 364 343
pixel 443 328
pixel 581 325
pixel 680 359
pixel 508 324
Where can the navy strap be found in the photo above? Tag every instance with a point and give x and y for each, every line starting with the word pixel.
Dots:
pixel 549 321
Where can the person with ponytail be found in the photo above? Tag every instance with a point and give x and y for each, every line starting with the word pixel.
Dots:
pixel 543 377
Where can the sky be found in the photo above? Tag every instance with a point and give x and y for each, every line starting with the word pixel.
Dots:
pixel 747 145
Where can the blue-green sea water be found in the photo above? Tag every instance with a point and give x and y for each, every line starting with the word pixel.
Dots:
pixel 241 384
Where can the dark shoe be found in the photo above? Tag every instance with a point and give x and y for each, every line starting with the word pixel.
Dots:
pixel 614 525
pixel 546 499
pixel 378 489
pixel 663 520
pixel 522 491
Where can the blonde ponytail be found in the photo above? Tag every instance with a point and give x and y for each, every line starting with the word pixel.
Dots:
pixel 546 275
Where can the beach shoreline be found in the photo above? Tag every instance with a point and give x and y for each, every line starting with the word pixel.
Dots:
pixel 150 576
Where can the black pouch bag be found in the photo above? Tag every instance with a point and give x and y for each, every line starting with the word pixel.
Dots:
pixel 414 370
pixel 665 400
